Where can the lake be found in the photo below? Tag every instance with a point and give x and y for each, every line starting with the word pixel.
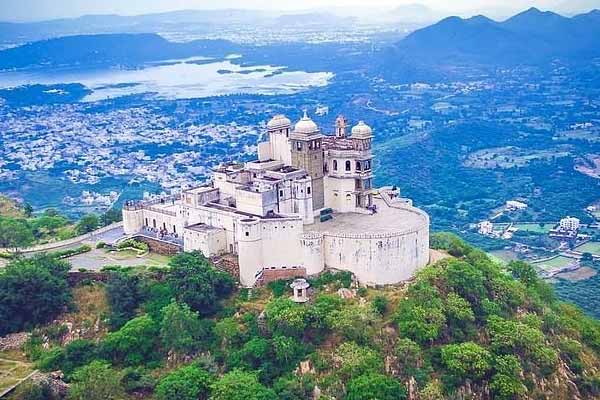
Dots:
pixel 175 79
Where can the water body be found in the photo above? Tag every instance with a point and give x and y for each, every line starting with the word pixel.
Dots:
pixel 175 79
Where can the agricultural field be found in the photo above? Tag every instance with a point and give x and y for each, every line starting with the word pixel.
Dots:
pixel 589 247
pixel 554 263
pixel 534 227
pixel 578 134
pixel 510 157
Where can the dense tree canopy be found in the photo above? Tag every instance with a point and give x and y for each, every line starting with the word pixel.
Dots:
pixel 240 385
pixel 32 291
pixel 197 283
pixel 186 383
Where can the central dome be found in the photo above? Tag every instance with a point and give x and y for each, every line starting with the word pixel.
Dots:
pixel 306 125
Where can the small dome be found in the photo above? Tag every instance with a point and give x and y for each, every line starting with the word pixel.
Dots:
pixel 306 125
pixel 362 130
pixel 279 121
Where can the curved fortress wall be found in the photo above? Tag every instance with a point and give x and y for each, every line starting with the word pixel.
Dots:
pixel 375 258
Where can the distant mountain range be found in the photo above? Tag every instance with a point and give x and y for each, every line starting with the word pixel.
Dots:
pixel 198 21
pixel 107 49
pixel 531 37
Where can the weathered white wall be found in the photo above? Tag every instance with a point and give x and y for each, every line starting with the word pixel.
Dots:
pixel 133 221
pixel 210 242
pixel 381 258
pixel 149 217
pixel 280 146
pixel 266 244
pixel 339 194
pixel 312 253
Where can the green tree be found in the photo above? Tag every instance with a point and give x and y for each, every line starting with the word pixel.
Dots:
pixel 27 210
pixel 15 233
pixel 523 272
pixel 467 280
pixel 286 318
pixel 410 357
pixel 48 224
pixel 123 295
pixel 506 383
pixel 96 381
pixel 380 304
pixel 355 360
pixel 229 331
pixel 32 291
pixel 324 305
pixel 88 223
pixel 180 329
pixel 293 387
pixel 375 387
pixel 197 283
pixel 421 322
pixel 133 344
pixel 458 310
pixel 240 385
pixel 508 337
pixel 157 296
pixel 186 383
pixel 353 321
pixel 466 360
pixel 287 350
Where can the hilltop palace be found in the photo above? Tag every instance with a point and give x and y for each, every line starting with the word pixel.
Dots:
pixel 306 204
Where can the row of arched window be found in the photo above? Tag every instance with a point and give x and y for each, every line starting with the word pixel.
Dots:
pixel 360 165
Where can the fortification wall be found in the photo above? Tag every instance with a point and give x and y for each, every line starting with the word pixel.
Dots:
pixel 375 259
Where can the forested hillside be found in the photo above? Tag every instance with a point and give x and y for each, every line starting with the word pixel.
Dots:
pixel 464 328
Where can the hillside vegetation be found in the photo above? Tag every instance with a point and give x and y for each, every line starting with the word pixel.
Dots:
pixel 464 328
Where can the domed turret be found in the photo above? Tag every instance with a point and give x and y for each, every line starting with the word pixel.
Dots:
pixel 306 126
pixel 278 122
pixel 362 131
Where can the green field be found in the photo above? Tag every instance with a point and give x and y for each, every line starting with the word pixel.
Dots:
pixel 557 262
pixel 534 227
pixel 589 247
pixel 13 369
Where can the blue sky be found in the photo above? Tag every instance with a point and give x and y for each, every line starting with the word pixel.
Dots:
pixel 15 10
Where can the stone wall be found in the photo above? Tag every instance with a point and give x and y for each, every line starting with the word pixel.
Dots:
pixel 159 246
pixel 275 274
pixel 76 277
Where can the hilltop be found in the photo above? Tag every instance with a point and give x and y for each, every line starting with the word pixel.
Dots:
pixel 532 37
pixel 463 328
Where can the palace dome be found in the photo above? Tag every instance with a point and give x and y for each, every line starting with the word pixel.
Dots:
pixel 306 125
pixel 279 121
pixel 362 130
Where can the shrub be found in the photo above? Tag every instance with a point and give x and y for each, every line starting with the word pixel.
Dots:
pixel 32 291
pixel 466 360
pixel 380 304
pixel 186 383
pixel 375 387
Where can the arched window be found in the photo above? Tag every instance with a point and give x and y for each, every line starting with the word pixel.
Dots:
pixel 358 167
pixel 335 165
pixel 308 190
pixel 348 166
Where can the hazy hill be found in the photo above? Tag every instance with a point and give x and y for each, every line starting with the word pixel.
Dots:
pixel 16 33
pixel 531 37
pixel 108 49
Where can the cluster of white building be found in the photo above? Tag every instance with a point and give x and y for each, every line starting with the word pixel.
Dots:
pixel 306 204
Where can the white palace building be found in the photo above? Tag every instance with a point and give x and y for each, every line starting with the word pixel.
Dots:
pixel 307 203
